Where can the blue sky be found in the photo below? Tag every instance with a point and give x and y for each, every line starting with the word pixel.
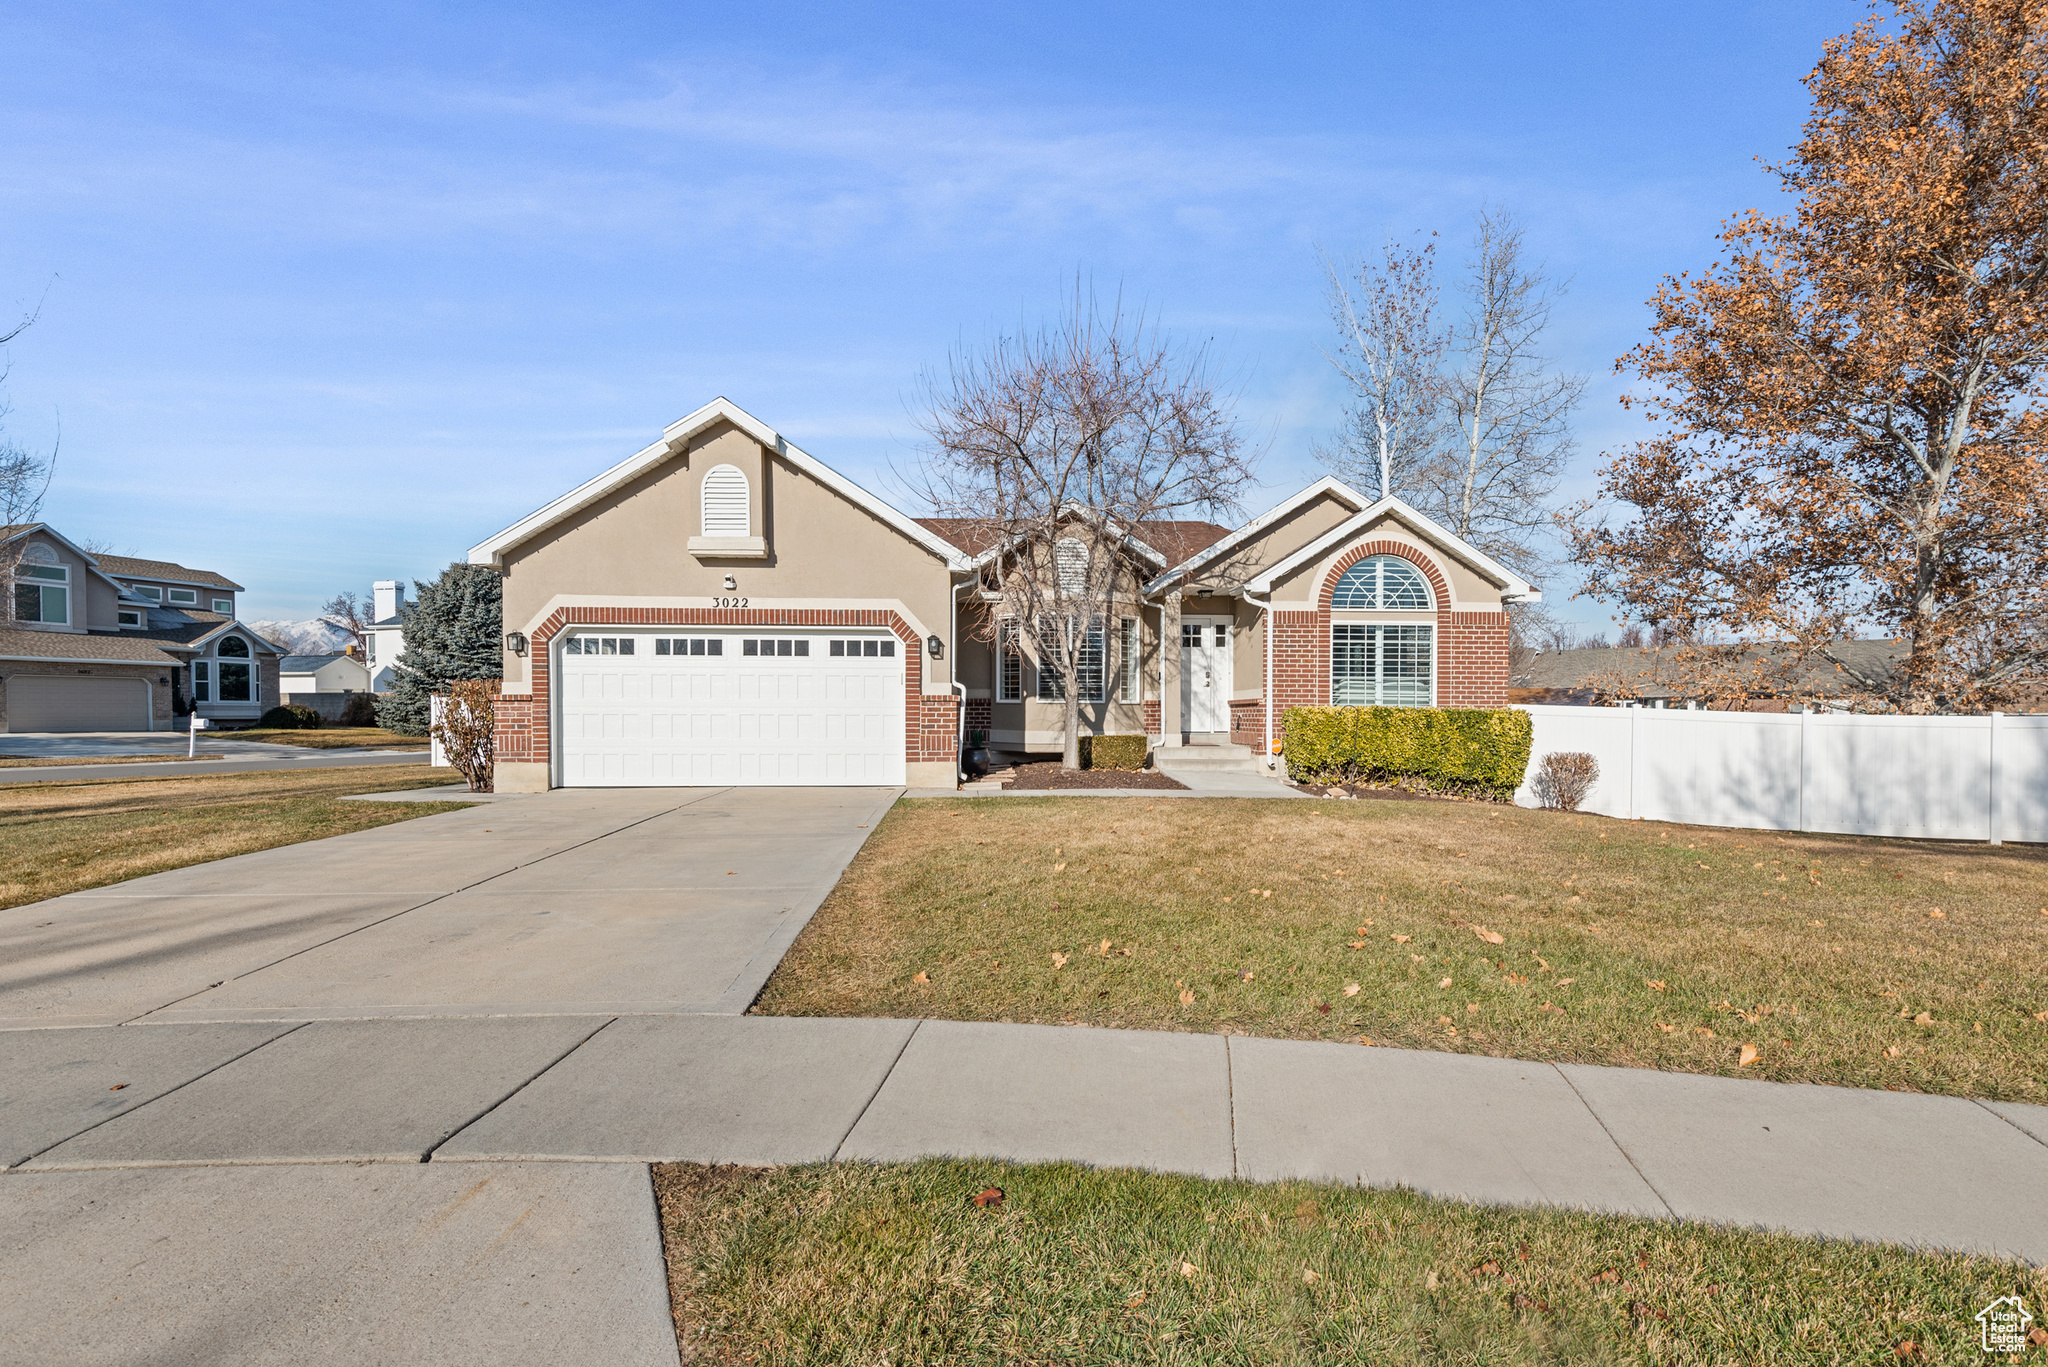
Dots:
pixel 329 293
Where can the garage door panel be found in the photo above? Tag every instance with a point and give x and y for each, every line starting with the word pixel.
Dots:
pixel 769 716
pixel 56 703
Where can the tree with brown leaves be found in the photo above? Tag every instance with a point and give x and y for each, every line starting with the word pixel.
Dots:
pixel 1848 410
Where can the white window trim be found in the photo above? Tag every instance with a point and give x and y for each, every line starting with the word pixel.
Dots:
pixel 171 597
pixel 149 591
pixel 255 698
pixel 121 616
pixel 1428 589
pixel 225 606
pixel 1009 648
pixel 1101 694
pixel 1130 643
pixel 1435 654
pixel 43 580
pixel 727 476
pixel 202 679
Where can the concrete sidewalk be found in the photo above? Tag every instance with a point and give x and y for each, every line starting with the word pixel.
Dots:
pixel 1937 1172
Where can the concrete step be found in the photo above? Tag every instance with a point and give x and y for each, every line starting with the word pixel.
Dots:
pixel 1236 759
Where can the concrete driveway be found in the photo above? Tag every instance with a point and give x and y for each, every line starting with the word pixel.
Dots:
pixel 572 902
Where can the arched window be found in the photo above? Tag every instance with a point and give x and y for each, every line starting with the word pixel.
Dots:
pixel 725 502
pixel 232 648
pixel 38 554
pixel 1382 583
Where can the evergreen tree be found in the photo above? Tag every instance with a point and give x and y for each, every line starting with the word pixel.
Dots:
pixel 454 632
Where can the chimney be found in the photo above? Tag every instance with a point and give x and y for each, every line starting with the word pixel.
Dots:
pixel 389 598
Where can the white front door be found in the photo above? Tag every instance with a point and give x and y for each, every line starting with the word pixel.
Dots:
pixel 1205 676
pixel 763 705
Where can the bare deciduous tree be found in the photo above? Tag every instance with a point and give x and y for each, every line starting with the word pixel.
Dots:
pixel 1055 446
pixel 350 612
pixel 1389 350
pixel 24 475
pixel 1507 413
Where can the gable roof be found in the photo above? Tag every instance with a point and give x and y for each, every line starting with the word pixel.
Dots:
pixel 1512 585
pixel 1218 547
pixel 165 571
pixel 674 438
pixel 307 664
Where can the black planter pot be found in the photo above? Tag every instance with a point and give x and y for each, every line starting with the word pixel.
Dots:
pixel 974 760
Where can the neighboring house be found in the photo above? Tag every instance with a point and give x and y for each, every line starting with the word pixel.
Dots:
pixel 642 610
pixel 112 643
pixel 1654 676
pixel 386 636
pixel 338 672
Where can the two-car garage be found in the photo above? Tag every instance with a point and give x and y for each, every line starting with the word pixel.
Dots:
pixel 59 702
pixel 767 706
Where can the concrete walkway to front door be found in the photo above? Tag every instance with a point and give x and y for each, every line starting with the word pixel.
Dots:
pixel 391 1096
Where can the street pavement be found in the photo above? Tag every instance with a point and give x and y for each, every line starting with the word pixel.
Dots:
pixel 216 755
pixel 391 1096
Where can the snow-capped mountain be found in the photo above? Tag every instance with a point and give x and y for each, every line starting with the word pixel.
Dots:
pixel 313 637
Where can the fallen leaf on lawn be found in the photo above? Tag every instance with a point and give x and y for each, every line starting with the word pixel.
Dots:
pixel 1746 1057
pixel 1351 990
pixel 1548 1007
pixel 992 1196
pixel 1188 1269
pixel 1489 1268
pixel 1059 961
pixel 1566 982
pixel 1308 1275
pixel 1322 1008
pixel 1924 1018
pixel 1540 962
pixel 1644 1312
pixel 1057 867
pixel 1245 976
pixel 1414 958
pixel 1134 1302
pixel 1908 1350
pixel 920 977
pixel 1443 1020
pixel 1492 937
pixel 2041 1015
pixel 1445 983
pixel 2037 1336
pixel 1364 928
pixel 1471 1008
pixel 1704 1032
pixel 1667 1029
pixel 1518 1300
pixel 1937 915
pixel 1125 951
pixel 1365 1039
pixel 1608 1275
pixel 1429 1281
pixel 1893 1051
pixel 1356 944
pixel 1401 939
pixel 1657 983
pixel 1103 949
pixel 1187 996
pixel 1815 923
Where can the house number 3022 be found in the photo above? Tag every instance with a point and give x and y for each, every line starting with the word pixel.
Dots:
pixel 728 602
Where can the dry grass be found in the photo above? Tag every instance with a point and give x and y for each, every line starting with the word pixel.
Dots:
pixel 60 837
pixel 1625 943
pixel 329 738
pixel 892 1263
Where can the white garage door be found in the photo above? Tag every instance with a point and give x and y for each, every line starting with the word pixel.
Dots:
pixel 76 704
pixel 744 707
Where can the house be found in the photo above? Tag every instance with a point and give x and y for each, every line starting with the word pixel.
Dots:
pixel 723 607
pixel 337 672
pixel 385 637
pixel 1661 676
pixel 112 643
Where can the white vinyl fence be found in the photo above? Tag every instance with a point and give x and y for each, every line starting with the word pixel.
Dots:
pixel 1945 778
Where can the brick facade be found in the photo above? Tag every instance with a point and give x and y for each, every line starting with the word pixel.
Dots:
pixel 930 721
pixel 1471 650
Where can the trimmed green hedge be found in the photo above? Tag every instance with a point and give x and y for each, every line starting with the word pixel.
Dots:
pixel 1460 748
pixel 1113 752
pixel 290 717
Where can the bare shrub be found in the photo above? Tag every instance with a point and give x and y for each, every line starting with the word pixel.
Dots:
pixel 464 729
pixel 1564 779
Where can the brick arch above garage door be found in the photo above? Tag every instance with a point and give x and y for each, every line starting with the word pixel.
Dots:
pixel 930 722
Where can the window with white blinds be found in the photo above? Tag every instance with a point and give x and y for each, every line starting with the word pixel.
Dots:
pixel 725 502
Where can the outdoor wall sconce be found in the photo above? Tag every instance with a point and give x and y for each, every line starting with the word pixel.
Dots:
pixel 937 647
pixel 515 641
pixel 731 583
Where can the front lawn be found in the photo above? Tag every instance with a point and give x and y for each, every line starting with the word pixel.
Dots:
pixel 62 837
pixel 894 1263
pixel 1444 925
pixel 327 738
